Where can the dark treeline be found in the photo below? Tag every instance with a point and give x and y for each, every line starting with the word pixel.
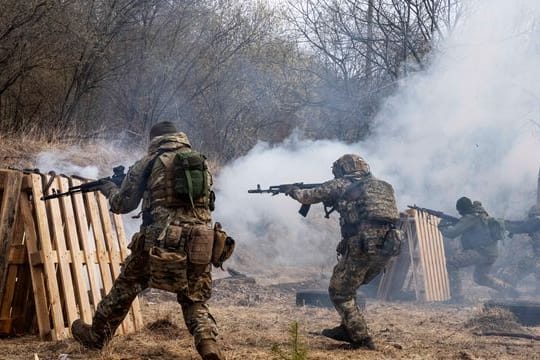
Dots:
pixel 227 72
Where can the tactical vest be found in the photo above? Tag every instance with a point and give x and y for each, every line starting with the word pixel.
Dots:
pixel 368 199
pixel 180 178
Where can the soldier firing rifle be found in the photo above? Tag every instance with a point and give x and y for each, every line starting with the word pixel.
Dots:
pixel 117 178
pixel 286 188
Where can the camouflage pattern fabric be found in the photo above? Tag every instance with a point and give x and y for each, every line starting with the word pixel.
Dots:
pixel 359 264
pixel 363 250
pixel 478 250
pixel 135 275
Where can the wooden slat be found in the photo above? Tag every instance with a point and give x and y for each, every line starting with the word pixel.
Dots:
pixel 76 255
pixel 89 253
pixel 135 310
pixel 64 257
pixel 8 214
pixel 432 257
pixel 97 231
pixel 423 258
pixel 412 240
pixel 41 218
pixel 37 272
pixel 113 250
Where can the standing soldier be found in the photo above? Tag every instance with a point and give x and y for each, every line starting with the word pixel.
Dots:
pixel 479 235
pixel 173 249
pixel 368 215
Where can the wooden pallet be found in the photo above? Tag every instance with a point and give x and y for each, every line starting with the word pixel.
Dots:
pixel 421 264
pixel 60 256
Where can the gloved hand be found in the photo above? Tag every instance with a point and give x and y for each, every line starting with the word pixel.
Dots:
pixel 107 188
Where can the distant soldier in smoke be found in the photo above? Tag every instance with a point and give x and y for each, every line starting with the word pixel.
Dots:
pixel 368 215
pixel 529 264
pixel 173 249
pixel 479 234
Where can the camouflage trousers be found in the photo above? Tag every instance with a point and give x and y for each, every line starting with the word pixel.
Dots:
pixel 358 265
pixel 481 273
pixel 135 277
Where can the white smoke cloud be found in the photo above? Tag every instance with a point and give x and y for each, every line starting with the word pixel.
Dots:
pixel 468 125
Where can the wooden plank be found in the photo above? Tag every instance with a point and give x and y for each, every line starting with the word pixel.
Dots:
pixel 89 254
pixel 423 255
pixel 113 248
pixel 97 231
pixel 441 262
pixel 135 311
pixel 41 219
pixel 433 257
pixel 76 256
pixel 37 273
pixel 56 220
pixel 8 215
pixel 413 242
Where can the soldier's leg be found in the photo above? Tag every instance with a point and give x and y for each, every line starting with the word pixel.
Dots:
pixel 199 321
pixel 113 308
pixel 482 276
pixel 454 264
pixel 203 327
pixel 348 275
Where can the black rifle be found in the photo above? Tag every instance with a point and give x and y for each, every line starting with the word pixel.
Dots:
pixel 117 178
pixel 449 218
pixel 284 188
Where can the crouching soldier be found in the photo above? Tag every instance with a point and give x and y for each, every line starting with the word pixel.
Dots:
pixel 368 215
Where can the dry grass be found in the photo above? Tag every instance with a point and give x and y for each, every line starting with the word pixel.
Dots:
pixel 400 330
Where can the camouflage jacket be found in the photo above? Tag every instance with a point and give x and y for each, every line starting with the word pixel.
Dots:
pixel 474 231
pixel 135 186
pixel 331 194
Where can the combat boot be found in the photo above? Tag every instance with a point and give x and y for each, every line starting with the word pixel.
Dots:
pixel 338 333
pixel 85 335
pixel 209 350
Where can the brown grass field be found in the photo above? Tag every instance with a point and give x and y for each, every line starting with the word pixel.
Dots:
pixel 253 318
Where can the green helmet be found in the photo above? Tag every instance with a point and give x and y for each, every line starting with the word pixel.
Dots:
pixel 464 205
pixel 348 164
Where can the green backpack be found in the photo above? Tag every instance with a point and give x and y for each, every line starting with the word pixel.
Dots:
pixel 191 180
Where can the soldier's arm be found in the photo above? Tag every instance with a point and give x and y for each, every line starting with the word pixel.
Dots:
pixel 464 224
pixel 126 198
pixel 326 192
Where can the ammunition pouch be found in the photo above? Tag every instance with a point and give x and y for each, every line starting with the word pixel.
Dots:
pixel 199 244
pixel 223 246
pixel 168 270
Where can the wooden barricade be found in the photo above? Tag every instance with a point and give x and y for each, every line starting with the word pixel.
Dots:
pixel 59 257
pixel 422 261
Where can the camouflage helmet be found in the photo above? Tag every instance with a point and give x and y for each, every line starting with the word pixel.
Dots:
pixel 534 211
pixel 464 205
pixel 348 164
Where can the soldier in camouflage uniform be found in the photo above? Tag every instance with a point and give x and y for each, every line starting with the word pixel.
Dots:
pixel 531 264
pixel 368 215
pixel 479 248
pixel 147 180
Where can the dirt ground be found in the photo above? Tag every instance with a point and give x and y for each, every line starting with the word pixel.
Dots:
pixel 254 318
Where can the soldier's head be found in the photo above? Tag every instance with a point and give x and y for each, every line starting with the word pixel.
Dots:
pixel 534 211
pixel 349 164
pixel 162 128
pixel 464 205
